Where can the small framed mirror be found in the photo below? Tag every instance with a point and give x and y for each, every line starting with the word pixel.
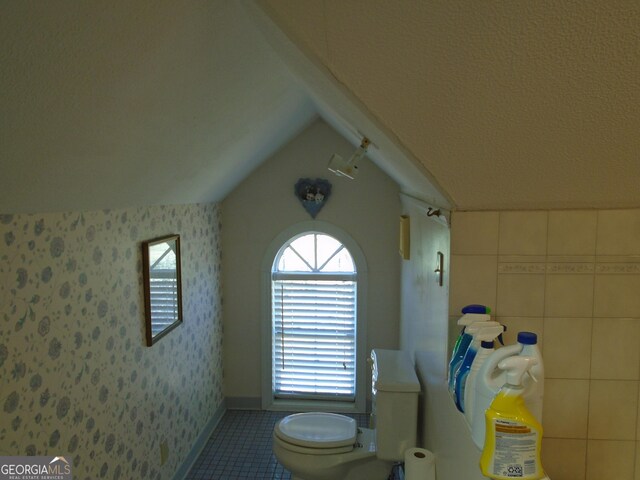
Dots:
pixel 162 286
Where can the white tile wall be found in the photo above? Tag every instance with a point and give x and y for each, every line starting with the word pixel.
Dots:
pixel 573 277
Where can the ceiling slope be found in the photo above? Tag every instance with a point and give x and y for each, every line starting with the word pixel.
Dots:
pixel 349 116
pixel 508 105
pixel 118 104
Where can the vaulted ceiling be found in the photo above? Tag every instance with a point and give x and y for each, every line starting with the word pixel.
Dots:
pixel 525 104
pixel 127 103
pixel 470 105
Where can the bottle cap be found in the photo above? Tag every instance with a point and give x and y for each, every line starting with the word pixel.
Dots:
pixel 474 308
pixel 527 338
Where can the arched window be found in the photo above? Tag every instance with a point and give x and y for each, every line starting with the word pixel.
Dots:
pixel 313 319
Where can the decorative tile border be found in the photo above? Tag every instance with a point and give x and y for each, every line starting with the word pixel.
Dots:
pixel 571 268
pixel 618 268
pixel 546 268
pixel 535 268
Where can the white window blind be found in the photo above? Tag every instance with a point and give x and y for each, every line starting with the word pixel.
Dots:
pixel 163 288
pixel 314 320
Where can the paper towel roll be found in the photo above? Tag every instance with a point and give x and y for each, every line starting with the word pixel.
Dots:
pixel 419 464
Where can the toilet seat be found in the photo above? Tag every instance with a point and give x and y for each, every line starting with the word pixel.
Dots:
pixel 317 433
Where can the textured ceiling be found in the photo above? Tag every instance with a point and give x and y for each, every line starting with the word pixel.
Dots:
pixel 472 105
pixel 505 104
pixel 119 103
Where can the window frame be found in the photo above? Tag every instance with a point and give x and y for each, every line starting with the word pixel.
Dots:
pixel 316 274
pixel 268 400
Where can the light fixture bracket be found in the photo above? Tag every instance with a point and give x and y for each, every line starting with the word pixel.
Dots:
pixel 349 168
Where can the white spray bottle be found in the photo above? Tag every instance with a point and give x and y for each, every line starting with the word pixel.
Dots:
pixel 534 382
pixel 486 336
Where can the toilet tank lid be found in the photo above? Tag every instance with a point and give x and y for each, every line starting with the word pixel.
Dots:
pixel 393 371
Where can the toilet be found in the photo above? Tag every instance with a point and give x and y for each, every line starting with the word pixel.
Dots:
pixel 328 446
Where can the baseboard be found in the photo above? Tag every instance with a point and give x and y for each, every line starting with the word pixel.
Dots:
pixel 200 443
pixel 244 403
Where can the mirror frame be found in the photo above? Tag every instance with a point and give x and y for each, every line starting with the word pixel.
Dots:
pixel 146 273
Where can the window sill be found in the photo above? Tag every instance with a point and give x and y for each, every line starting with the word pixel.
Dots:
pixel 289 405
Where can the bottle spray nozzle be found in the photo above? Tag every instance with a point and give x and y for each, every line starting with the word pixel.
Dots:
pixel 476 327
pixel 516 366
pixel 470 318
pixel 485 331
pixel 500 337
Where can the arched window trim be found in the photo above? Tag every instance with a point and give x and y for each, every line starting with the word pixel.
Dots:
pixel 268 402
pixel 315 271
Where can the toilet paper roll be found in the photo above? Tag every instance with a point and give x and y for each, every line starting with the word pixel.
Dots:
pixel 419 464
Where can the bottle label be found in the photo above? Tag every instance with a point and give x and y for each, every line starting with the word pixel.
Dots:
pixel 515 451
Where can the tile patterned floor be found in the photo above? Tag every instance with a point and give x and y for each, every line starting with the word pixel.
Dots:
pixel 240 448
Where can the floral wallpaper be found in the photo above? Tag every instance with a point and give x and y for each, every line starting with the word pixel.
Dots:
pixel 75 375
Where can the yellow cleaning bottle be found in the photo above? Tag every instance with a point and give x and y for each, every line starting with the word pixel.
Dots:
pixel 513 435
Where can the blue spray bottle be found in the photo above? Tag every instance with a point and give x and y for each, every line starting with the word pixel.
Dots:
pixel 471 314
pixel 477 331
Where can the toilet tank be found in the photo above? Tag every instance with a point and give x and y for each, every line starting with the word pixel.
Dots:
pixel 394 415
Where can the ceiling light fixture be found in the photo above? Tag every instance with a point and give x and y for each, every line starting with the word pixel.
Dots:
pixel 349 168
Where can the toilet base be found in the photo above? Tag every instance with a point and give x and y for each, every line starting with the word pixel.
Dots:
pixel 359 464
pixel 372 470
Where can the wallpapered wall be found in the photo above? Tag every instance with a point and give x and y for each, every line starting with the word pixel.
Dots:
pixel 75 375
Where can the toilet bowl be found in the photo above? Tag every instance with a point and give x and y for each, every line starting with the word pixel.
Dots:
pixel 317 430
pixel 327 446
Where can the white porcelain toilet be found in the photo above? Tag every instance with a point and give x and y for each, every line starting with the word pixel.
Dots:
pixel 327 446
